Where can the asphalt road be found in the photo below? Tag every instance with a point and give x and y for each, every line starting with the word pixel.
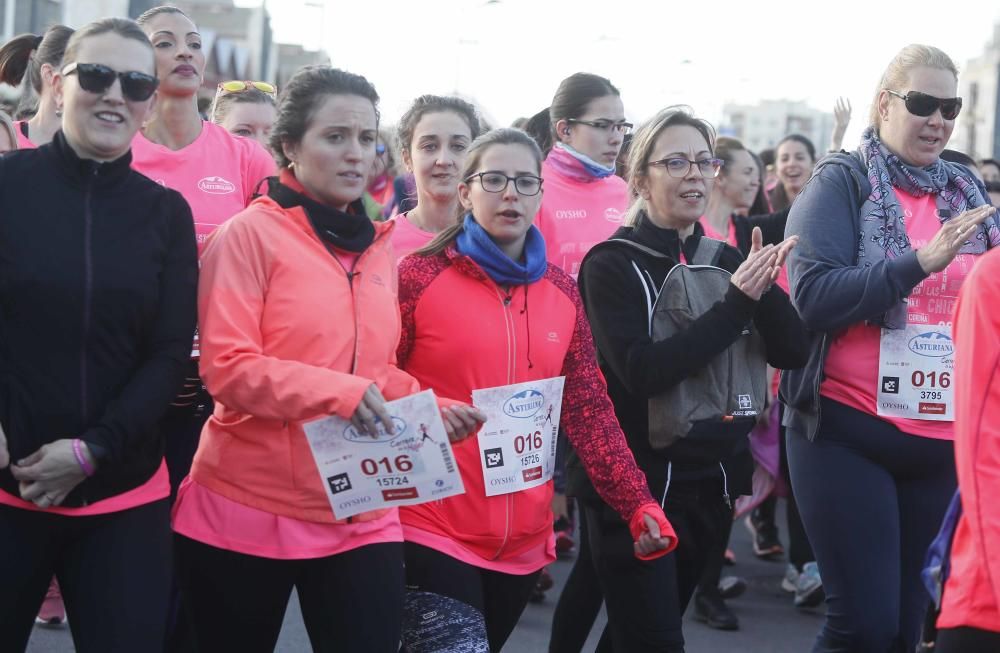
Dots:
pixel 768 621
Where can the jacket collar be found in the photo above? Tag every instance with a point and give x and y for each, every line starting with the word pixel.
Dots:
pixel 82 170
pixel 666 240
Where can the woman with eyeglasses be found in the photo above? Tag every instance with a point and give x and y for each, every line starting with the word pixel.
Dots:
pixel 474 558
pixel 34 60
pixel 434 138
pixel 887 235
pixel 245 108
pixel 672 167
pixel 216 172
pixel 99 268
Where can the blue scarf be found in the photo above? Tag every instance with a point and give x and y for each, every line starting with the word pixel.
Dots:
pixel 577 165
pixel 474 242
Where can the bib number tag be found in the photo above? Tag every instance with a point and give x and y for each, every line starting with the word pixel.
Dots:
pixel 412 465
pixel 915 369
pixel 517 445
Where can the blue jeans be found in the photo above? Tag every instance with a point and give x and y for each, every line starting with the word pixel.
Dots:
pixel 872 499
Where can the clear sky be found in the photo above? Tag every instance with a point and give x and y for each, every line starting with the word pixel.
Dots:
pixel 509 55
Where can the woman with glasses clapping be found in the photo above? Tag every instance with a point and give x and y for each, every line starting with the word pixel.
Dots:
pixel 672 170
pixel 99 275
pixel 887 235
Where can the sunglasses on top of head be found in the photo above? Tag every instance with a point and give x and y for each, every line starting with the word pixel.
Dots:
pixel 238 86
pixel 923 105
pixel 98 78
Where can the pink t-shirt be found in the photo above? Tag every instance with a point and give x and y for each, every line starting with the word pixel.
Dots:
pixel 525 563
pixel 851 368
pixel 156 488
pixel 576 215
pixel 710 231
pixel 213 519
pixel 408 237
pixel 23 142
pixel 217 174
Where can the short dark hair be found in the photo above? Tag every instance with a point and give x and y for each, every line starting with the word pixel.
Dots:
pixel 954 156
pixel 152 13
pixel 303 95
pixel 989 162
pixel 426 104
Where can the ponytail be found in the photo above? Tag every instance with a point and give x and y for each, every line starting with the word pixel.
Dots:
pixel 14 57
pixel 22 58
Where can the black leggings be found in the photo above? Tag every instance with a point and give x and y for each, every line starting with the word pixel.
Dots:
pixel 351 602
pixel 579 603
pixel 454 606
pixel 114 573
pixel 872 498
pixel 967 640
pixel 645 600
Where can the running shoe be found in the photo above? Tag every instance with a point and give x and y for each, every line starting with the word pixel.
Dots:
pixel 52 613
pixel 809 587
pixel 765 539
pixel 542 585
pixel 731 587
pixel 711 610
pixel 788 583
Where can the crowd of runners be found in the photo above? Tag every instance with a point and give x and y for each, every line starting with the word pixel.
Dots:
pixel 182 296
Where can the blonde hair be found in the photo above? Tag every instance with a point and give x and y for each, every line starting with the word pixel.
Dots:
pixel 898 71
pixel 643 142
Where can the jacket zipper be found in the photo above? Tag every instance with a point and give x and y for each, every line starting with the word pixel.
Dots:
pixel 88 289
pixel 505 301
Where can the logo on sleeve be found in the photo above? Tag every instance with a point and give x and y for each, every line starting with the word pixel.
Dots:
pixel 216 186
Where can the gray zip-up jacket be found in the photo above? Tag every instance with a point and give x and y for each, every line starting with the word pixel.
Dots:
pixel 828 288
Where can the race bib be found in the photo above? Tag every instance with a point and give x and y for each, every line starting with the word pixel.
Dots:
pixel 517 445
pixel 915 370
pixel 411 465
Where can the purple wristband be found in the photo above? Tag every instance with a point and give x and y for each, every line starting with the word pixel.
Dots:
pixel 87 468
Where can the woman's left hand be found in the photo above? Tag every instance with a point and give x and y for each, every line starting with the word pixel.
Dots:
pixel 461 421
pixel 48 475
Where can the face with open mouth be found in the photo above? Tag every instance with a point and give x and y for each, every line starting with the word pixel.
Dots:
pixel 437 153
pixel 794 165
pixel 101 125
pixel 917 140
pixel 506 215
pixel 677 202
pixel 333 157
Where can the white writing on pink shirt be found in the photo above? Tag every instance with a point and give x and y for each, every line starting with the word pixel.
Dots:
pixel 216 186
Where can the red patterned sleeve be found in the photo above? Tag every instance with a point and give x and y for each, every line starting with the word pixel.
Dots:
pixel 415 274
pixel 588 417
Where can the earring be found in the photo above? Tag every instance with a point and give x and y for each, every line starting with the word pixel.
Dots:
pixel 59 112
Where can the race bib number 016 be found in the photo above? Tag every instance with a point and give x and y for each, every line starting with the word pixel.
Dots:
pixel 411 465
pixel 517 445
pixel 915 368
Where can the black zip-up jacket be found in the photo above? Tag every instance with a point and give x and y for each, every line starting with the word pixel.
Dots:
pixel 636 368
pixel 98 303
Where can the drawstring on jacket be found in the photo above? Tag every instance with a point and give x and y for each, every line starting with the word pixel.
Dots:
pixel 527 319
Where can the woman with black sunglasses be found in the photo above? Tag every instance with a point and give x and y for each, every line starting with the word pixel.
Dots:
pixel 216 172
pixel 887 235
pixel 99 275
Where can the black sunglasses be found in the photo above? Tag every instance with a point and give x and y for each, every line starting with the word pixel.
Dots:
pixel 97 78
pixel 923 105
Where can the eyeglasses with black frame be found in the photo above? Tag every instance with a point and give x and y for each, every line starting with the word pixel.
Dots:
pixel 923 105
pixel 623 127
pixel 496 182
pixel 98 78
pixel 680 167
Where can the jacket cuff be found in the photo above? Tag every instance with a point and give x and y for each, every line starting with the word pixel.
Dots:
pixel 637 526
pixel 906 271
pixel 97 440
pixel 744 307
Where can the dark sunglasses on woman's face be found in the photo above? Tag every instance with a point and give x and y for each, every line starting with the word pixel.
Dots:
pixel 97 78
pixel 923 105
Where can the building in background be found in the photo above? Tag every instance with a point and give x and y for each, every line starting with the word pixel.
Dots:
pixel 979 86
pixel 762 125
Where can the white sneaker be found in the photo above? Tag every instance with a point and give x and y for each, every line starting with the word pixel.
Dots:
pixel 809 587
pixel 790 580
